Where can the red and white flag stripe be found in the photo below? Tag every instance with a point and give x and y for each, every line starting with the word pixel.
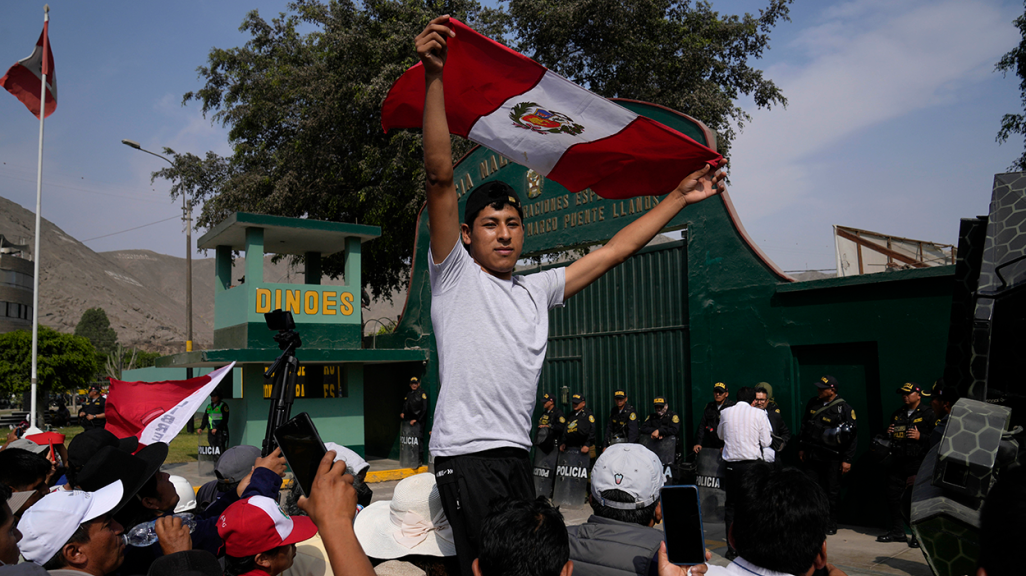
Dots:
pixel 509 103
pixel 24 79
pixel 157 411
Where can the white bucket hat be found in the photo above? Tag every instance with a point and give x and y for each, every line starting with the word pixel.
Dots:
pixel 413 522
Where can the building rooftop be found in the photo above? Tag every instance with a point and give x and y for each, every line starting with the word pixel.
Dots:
pixel 284 235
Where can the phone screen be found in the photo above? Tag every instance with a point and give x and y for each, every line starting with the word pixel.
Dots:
pixel 682 524
pixel 302 448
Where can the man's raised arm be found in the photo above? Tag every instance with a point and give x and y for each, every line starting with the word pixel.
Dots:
pixel 443 207
pixel 698 186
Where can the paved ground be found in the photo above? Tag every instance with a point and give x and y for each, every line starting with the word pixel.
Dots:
pixel 854 549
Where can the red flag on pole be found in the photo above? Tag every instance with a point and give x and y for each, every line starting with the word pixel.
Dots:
pixel 157 411
pixel 509 103
pixel 24 78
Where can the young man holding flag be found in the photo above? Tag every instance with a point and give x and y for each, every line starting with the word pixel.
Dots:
pixel 491 326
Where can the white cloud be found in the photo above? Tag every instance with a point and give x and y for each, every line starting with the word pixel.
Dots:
pixel 863 64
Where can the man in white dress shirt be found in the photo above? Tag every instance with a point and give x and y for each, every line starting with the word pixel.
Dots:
pixel 745 431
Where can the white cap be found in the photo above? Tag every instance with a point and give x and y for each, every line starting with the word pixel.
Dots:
pixel 25 444
pixel 631 468
pixel 354 464
pixel 186 494
pixel 49 524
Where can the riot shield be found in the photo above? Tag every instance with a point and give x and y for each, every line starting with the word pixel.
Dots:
pixel 571 487
pixel 545 471
pixel 410 449
pixel 663 448
pixel 709 473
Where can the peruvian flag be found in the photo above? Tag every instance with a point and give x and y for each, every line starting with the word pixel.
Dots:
pixel 157 411
pixel 509 103
pixel 24 79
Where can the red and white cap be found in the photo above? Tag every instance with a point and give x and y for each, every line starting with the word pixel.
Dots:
pixel 256 524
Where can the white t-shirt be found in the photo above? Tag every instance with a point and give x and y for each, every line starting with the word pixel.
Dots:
pixel 491 336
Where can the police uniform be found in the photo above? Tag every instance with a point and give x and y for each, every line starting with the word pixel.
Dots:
pixel 216 417
pixel 623 422
pixel 94 407
pixel 415 407
pixel 668 424
pixel 580 429
pixel 822 461
pixel 906 455
pixel 706 436
pixel 546 438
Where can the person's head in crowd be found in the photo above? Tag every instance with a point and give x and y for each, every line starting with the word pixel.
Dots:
pixel 357 467
pixel 85 446
pixel 9 534
pixel 23 470
pixel 233 465
pixel 720 392
pixel 826 388
pixel 745 395
pixel 95 392
pixel 523 538
pixel 912 394
pixel 33 447
pixel 74 530
pixel 1002 528
pixel 187 563
pixel 659 405
pixel 780 520
pixel 414 383
pixel 619 398
pixel 259 537
pixel 577 401
pixel 761 398
pixel 548 401
pixel 411 524
pixel 625 484
pixel 147 491
pixel 943 398
pixel 768 388
pixel 186 494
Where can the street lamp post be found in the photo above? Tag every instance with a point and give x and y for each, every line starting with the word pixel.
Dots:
pixel 187 215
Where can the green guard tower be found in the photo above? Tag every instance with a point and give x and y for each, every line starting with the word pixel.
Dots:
pixel 330 383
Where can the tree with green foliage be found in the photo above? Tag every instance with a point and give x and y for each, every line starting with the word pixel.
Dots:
pixel 303 110
pixel 1015 60
pixel 95 327
pixel 64 363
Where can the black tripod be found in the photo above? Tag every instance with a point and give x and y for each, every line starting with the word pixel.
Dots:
pixel 283 371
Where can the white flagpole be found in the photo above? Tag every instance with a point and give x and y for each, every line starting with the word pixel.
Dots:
pixel 33 428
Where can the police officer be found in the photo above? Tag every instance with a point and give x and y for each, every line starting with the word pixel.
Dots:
pixel 415 404
pixel 623 421
pixel 91 413
pixel 706 436
pixel 580 427
pixel 216 421
pixel 942 400
pixel 828 441
pixel 550 425
pixel 909 432
pixel 662 422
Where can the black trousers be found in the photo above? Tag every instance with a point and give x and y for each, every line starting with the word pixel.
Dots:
pixel 827 473
pixel 732 486
pixel 895 487
pixel 468 484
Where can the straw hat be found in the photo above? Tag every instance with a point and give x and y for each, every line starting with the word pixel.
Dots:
pixel 411 523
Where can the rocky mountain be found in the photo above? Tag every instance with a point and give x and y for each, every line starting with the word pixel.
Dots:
pixel 142 292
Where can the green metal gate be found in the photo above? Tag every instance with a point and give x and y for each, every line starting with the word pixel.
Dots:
pixel 627 330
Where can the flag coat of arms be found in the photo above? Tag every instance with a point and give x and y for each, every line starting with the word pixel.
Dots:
pixel 157 411
pixel 24 79
pixel 509 103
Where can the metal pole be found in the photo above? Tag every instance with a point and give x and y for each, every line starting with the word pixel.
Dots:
pixel 187 216
pixel 33 427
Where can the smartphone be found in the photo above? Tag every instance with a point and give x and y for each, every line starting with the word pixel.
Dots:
pixel 682 525
pixel 302 447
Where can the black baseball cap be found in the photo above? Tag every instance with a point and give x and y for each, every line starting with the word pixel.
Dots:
pixel 414 380
pixel 546 397
pixel 826 382
pixel 719 386
pixel 659 400
pixel 577 398
pixel 910 387
pixel 87 444
pixel 619 394
pixel 487 194
pixel 95 387
pixel 945 393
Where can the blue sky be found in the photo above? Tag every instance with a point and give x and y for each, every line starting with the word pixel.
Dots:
pixel 893 108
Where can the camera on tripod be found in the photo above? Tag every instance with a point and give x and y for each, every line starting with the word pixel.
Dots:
pixel 283 372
